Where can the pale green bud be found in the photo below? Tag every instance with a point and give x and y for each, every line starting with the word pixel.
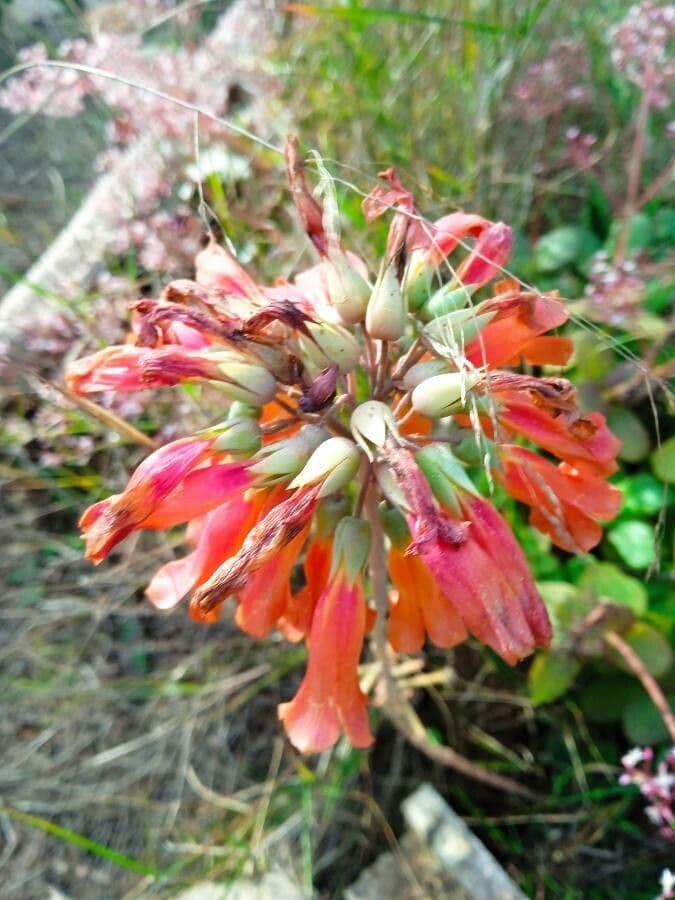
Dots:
pixel 446 300
pixel 387 314
pixel 331 344
pixel 422 370
pixel 455 330
pixel 238 436
pixel 348 291
pixel 371 423
pixel 283 459
pixel 243 380
pixel 334 462
pixel 444 472
pixel 350 547
pixel 441 395
pixel 418 279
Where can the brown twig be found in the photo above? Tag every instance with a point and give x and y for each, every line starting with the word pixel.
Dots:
pixel 646 678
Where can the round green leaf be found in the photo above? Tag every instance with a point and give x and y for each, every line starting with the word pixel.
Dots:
pixel 604 700
pixel 634 541
pixel 642 722
pixel 651 646
pixel 550 675
pixel 634 437
pixel 558 248
pixel 663 461
pixel 605 583
pixel 643 495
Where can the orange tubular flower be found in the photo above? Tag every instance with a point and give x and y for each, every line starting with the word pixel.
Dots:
pixel 566 504
pixel 544 411
pixel 418 608
pixel 329 699
pixel 338 393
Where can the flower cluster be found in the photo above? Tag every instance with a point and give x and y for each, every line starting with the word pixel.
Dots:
pixel 353 408
pixel 642 50
pixel 553 84
pixel 657 786
pixel 615 289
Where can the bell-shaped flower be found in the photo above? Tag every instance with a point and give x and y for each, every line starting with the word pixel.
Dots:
pixel 216 268
pixel 517 330
pixel 329 699
pixel 487 257
pixel 495 605
pixel 418 607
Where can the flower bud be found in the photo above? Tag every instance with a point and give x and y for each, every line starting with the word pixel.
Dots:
pixel 239 437
pixel 283 459
pixel 455 330
pixel 351 547
pixel 371 423
pixel 348 291
pixel 239 410
pixel 244 381
pixel 447 299
pixel 422 370
pixel 329 344
pixel 386 316
pixel 334 462
pixel 440 395
pixel 418 279
pixel 445 474
pixel 395 526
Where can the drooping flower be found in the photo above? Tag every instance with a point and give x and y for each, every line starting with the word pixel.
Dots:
pixel 343 391
pixel 329 699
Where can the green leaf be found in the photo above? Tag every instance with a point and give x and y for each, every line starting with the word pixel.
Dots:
pixel 643 495
pixel 663 461
pixel 634 437
pixel 605 583
pixel 643 723
pixel 550 675
pixel 605 699
pixel 565 604
pixel 562 246
pixel 651 646
pixel 635 542
pixel 639 234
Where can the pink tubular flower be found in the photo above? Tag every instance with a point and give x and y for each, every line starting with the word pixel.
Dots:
pixel 169 487
pixel 329 699
pixel 489 254
pixel 130 368
pixel 221 534
pixel 338 394
pixel 466 554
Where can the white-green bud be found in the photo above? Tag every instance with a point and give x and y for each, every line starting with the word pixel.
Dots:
pixel 283 459
pixel 441 395
pixel 371 423
pixel 332 344
pixel 334 462
pixel 387 314
pixel 348 291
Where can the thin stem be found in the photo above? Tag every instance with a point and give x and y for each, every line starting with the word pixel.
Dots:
pixel 648 681
pixel 657 184
pixel 634 170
